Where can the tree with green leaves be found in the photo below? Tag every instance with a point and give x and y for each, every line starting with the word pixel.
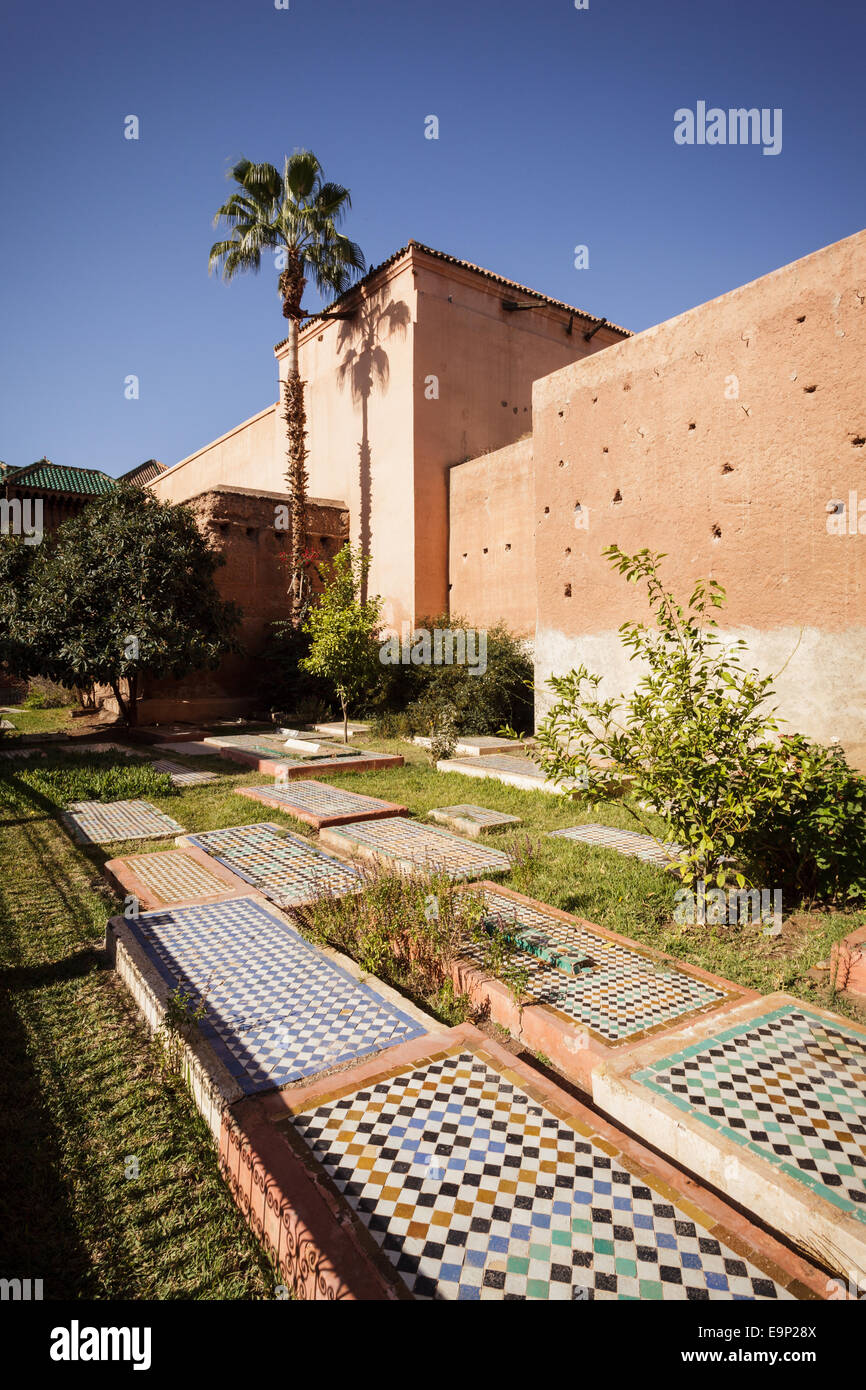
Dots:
pixel 343 628
pixel 296 214
pixel 124 590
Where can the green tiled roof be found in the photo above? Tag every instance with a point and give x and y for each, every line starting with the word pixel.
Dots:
pixel 85 482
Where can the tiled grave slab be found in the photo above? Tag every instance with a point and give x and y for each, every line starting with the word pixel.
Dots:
pixel 591 993
pixel 266 745
pixel 102 822
pixel 629 842
pixel 286 868
pixel 273 760
pixel 172 876
pixel 472 820
pixel 183 776
pixel 478 1181
pixel 408 845
pixel 514 771
pixel 768 1102
pixel 277 1009
pixel 319 804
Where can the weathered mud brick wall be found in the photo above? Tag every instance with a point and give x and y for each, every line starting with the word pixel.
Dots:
pixel 720 437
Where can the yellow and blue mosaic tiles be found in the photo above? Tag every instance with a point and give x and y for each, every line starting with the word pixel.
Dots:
pixel 475 1191
pixel 102 822
pixel 172 876
pixel 319 803
pixel 409 846
pixel 276 1009
pixel 613 990
pixel 790 1087
pixel 286 868
pixel 628 842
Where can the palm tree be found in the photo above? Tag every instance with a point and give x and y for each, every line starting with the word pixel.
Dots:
pixel 297 214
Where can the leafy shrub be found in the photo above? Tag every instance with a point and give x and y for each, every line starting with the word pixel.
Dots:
pixel 702 749
pixel 482 703
pixel 410 929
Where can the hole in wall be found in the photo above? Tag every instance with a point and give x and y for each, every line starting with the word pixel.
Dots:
pixel 809 389
pixel 484 551
pixel 727 468
pixel 617 496
pixel 465 556
pixel 802 318
pixel 627 386
pixel 691 425
pixel 508 545
pixel 605 449
pixel 546 510
pixel 568 550
pixel 568 591
pixel 717 533
pixel 858 441
pixel 503 404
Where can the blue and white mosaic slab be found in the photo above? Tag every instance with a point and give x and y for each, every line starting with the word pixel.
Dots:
pixel 102 822
pixel 790 1087
pixel 277 1010
pixel 286 868
pixel 629 842
pixel 474 1191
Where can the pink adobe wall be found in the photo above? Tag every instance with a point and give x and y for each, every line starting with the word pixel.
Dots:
pixel 492 539
pixel 247 456
pixel 724 432
pixel 486 360
pixel 359 419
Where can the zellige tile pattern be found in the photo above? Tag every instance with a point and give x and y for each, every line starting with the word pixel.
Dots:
pixel 409 844
pixel 277 1009
pixel 102 822
pixel 628 842
pixel 790 1087
pixel 173 876
pixel 615 991
pixel 475 1191
pixel 286 868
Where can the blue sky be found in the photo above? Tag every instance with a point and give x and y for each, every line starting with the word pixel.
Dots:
pixel 556 129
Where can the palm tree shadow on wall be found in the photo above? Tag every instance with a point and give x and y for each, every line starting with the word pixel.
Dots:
pixel 365 365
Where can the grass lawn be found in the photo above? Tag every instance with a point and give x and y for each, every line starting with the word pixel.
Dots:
pixel 81 1093
pixel 81 1089
pixel 39 721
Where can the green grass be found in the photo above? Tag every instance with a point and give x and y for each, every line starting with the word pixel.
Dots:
pixel 81 1092
pixel 39 721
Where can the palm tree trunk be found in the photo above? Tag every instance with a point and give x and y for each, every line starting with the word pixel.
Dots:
pixel 296 476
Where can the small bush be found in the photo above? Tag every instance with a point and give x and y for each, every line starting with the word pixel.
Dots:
pixel 293 694
pixel 700 745
pixel 409 930
pixel 481 703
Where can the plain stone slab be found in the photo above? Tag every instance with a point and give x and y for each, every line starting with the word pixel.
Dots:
pixel 628 842
pixel 473 821
pixel 335 730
